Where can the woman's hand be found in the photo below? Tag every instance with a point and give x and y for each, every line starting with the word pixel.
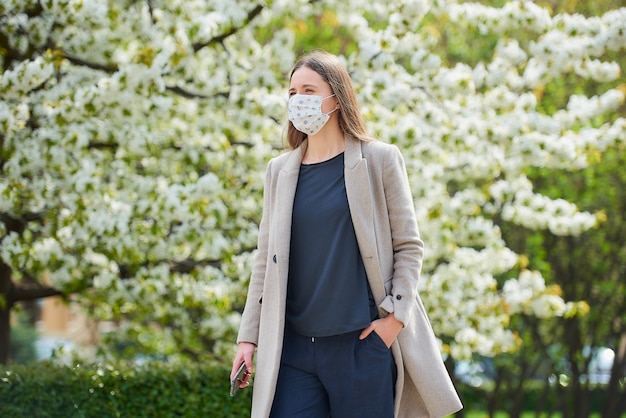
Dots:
pixel 245 353
pixel 387 329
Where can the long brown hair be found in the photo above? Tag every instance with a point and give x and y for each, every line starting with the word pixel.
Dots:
pixel 336 75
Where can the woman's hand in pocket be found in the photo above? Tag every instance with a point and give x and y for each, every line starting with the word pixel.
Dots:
pixel 387 329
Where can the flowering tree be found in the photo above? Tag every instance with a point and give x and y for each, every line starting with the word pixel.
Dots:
pixel 135 136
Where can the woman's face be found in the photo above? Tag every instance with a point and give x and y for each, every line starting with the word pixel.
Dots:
pixel 306 81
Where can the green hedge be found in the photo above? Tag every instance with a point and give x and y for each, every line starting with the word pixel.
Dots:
pixel 156 389
pixel 151 390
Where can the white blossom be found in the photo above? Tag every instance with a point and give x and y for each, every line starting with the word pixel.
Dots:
pixel 141 135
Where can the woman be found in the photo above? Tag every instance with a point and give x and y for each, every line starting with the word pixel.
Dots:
pixel 332 307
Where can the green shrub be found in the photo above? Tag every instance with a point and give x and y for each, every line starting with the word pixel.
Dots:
pixel 23 339
pixel 151 390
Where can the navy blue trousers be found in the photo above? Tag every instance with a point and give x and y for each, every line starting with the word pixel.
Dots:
pixel 339 376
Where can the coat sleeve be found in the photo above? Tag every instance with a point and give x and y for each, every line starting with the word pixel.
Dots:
pixel 408 248
pixel 249 328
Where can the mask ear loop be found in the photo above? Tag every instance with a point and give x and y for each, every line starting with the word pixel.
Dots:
pixel 336 106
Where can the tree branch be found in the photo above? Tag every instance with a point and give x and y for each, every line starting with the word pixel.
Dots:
pixel 188 265
pixel 189 95
pixel 18 225
pixel 220 38
pixel 31 289
pixel 110 69
pixel 21 293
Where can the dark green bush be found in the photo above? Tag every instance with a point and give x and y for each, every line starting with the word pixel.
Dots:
pixel 151 390
pixel 157 389
pixel 23 339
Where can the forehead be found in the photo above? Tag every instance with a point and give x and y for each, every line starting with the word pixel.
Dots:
pixel 306 76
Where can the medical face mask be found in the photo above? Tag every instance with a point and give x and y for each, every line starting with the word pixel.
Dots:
pixel 305 112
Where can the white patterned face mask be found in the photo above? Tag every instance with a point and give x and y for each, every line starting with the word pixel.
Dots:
pixel 305 112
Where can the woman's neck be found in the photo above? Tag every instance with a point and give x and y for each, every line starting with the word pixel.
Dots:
pixel 323 148
pixel 326 144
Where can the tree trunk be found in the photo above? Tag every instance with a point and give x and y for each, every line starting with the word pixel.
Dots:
pixel 615 405
pixel 6 303
pixel 10 294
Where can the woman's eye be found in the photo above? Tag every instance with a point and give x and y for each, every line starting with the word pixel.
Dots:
pixel 306 91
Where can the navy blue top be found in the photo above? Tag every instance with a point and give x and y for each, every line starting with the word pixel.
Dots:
pixel 327 291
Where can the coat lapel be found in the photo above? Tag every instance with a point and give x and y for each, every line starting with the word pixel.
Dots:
pixel 286 185
pixel 360 200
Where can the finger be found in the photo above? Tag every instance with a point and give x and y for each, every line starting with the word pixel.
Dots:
pixel 239 358
pixel 246 380
pixel 367 331
pixel 236 365
pixel 248 360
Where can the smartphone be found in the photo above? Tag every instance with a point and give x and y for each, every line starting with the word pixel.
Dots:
pixel 238 379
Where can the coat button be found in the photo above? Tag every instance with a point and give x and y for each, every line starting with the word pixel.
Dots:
pixel 274 258
pixel 398 297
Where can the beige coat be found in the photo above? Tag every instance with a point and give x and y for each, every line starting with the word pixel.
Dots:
pixel 384 221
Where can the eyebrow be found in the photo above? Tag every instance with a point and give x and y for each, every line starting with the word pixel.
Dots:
pixel 304 85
